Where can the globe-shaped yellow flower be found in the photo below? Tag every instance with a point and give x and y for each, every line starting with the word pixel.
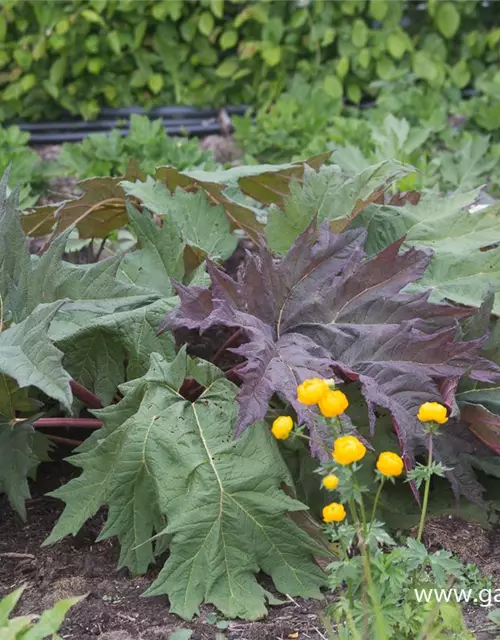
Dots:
pixel 348 449
pixel 433 412
pixel 333 512
pixel 333 403
pixel 282 427
pixel 311 391
pixel 390 464
pixel 330 482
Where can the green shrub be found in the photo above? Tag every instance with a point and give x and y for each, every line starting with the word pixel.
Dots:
pixel 147 142
pixel 26 168
pixel 79 56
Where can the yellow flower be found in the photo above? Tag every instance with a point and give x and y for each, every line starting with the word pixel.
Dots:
pixel 333 512
pixel 348 449
pixel 282 427
pixel 333 403
pixel 390 464
pixel 433 412
pixel 330 482
pixel 311 391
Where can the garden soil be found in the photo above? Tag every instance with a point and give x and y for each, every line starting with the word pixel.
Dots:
pixel 113 608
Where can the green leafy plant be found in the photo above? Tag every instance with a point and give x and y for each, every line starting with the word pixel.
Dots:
pixel 157 357
pixel 79 56
pixel 32 627
pixel 385 581
pixel 26 168
pixel 147 143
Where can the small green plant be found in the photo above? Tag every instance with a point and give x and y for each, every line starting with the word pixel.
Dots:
pixel 147 142
pixel 390 589
pixel 26 168
pixel 32 627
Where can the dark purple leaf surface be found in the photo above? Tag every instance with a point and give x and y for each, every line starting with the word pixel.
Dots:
pixel 326 310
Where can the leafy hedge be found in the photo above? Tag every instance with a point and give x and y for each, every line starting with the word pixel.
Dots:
pixel 79 56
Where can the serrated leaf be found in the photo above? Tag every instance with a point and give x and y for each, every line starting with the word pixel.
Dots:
pixel 159 254
pixel 92 16
pixel 160 456
pixel 96 345
pixel 203 226
pixel 206 23
pixel 98 212
pixel 29 357
pixel 51 279
pixel 217 7
pixel 378 9
pixel 17 459
pixel 330 195
pixel 155 82
pixel 324 308
pixel 396 44
pixel 451 232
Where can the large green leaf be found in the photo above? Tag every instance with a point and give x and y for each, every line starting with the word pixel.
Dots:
pixel 159 255
pixel 89 286
pixel 462 270
pixel 161 456
pixel 204 227
pixel 28 356
pixel 328 194
pixel 21 450
pixel 242 191
pixel 14 256
pixel 102 350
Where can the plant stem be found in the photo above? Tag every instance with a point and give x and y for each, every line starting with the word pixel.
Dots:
pixel 381 631
pixel 375 504
pixel 101 249
pixel 86 396
pixel 361 502
pixel 232 338
pixel 65 441
pixel 425 502
pixel 79 423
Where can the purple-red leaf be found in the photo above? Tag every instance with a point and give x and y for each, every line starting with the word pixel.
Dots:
pixel 326 309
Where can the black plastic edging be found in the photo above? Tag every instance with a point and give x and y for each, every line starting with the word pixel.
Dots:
pixel 177 120
pixel 55 137
pixel 103 125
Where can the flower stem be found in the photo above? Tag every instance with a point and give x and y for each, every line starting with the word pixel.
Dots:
pixel 361 502
pixel 426 493
pixel 375 504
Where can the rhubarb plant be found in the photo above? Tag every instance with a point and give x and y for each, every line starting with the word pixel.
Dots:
pixel 164 366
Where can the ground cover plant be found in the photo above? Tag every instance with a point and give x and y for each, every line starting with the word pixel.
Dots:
pixel 435 133
pixel 147 142
pixel 34 627
pixel 153 360
pixel 26 168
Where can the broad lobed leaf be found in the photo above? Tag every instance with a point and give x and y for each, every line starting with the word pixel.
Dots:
pixel 160 456
pixel 326 308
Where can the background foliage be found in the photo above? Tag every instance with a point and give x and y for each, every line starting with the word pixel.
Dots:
pixel 79 56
